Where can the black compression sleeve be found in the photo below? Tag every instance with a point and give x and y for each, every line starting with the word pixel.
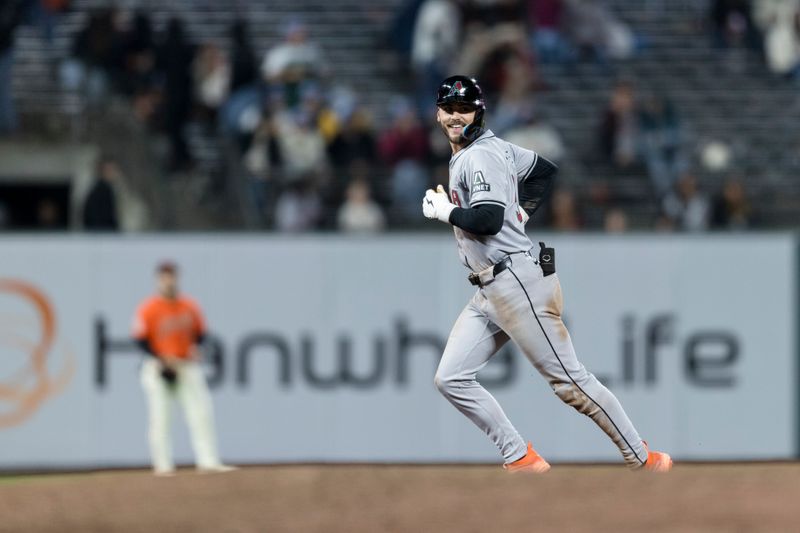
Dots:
pixel 484 219
pixel 535 187
pixel 145 346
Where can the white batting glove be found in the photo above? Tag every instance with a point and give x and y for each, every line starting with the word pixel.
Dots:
pixel 437 205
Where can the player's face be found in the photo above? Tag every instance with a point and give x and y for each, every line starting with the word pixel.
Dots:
pixel 453 118
pixel 167 283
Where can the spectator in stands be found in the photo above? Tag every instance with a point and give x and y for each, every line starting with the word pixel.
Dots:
pixel 779 22
pixel 314 104
pixel 619 126
pixel 404 148
pixel 45 15
pixel 97 55
pixel 408 180
pixel 262 163
pixel 146 103
pixel 49 216
pixel 545 22
pixel 437 34
pixel 293 61
pixel 494 32
pixel 615 221
pixel 597 33
pixel 139 56
pixel 100 206
pixel 242 113
pixel 599 199
pixel 732 24
pixel 299 208
pixel 354 141
pixel 515 104
pixel 262 155
pixel 400 34
pixel 211 74
pixel 731 208
pixel 405 139
pixel 563 213
pixel 535 134
pixel 491 13
pixel 664 223
pixel 687 206
pixel 510 63
pixel 174 58
pixel 11 12
pixel 499 55
pixel 239 116
pixel 360 213
pixel 301 143
pixel 661 143
pixel 244 67
pixel 352 152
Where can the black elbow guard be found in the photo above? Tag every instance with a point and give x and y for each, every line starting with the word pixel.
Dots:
pixel 543 168
pixel 534 189
pixel 495 226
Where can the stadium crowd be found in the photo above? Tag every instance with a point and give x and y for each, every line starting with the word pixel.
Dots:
pixel 310 150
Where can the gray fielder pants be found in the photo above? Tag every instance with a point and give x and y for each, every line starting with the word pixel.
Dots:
pixel 523 305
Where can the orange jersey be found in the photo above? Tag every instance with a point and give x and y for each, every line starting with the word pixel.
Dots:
pixel 170 327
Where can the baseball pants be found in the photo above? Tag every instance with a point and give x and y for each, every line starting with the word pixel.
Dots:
pixel 191 391
pixel 523 305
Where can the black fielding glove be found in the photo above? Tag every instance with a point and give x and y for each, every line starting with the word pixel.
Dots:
pixel 169 375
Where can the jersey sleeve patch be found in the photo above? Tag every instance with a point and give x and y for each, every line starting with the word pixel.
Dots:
pixel 479 183
pixel 456 199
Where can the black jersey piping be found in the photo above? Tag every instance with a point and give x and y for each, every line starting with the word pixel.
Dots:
pixel 565 368
pixel 530 168
pixel 493 202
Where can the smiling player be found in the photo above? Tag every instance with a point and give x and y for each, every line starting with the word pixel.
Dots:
pixel 494 187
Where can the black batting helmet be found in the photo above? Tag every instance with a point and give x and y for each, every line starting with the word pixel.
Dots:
pixel 464 90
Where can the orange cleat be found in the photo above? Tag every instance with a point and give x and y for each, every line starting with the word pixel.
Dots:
pixel 657 461
pixel 531 463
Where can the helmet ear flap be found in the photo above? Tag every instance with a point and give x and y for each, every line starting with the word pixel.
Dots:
pixel 476 128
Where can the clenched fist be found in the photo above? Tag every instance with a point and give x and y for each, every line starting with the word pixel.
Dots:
pixel 437 205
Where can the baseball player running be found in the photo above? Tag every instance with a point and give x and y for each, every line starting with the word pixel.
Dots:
pixel 494 187
pixel 169 327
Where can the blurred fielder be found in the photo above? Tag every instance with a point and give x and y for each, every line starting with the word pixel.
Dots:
pixel 494 187
pixel 169 327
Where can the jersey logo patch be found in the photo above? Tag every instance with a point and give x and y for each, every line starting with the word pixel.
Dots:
pixel 479 183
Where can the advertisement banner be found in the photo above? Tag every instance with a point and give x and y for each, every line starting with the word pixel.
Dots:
pixel 324 348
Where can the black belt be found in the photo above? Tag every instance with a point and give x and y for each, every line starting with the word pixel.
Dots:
pixel 498 267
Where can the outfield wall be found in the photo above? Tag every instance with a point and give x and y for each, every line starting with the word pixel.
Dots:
pixel 325 347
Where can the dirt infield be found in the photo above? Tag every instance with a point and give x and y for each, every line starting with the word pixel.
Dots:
pixel 481 499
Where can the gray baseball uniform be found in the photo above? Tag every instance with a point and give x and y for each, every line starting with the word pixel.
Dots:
pixel 520 303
